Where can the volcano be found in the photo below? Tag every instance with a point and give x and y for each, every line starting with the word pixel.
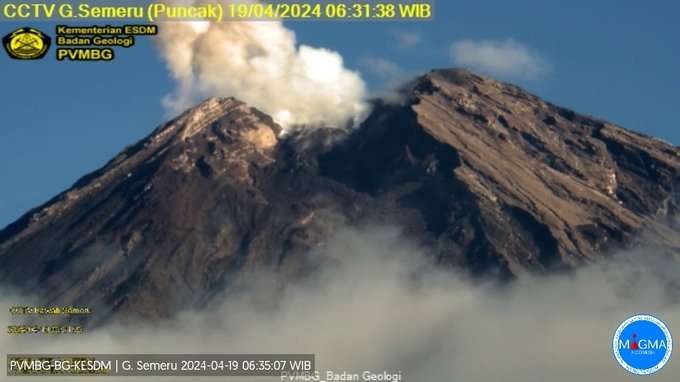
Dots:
pixel 489 178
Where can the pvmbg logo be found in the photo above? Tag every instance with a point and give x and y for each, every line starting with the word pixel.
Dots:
pixel 26 44
pixel 642 344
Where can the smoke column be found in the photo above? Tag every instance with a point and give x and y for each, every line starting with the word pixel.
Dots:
pixel 261 64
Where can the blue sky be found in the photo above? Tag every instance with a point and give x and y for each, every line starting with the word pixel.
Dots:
pixel 616 60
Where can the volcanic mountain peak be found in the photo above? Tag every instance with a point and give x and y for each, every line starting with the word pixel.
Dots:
pixel 561 182
pixel 210 111
pixel 501 131
pixel 484 174
pixel 206 133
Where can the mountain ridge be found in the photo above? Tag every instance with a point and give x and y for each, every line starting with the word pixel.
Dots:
pixel 489 177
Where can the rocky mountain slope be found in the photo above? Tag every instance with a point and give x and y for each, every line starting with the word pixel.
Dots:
pixel 489 177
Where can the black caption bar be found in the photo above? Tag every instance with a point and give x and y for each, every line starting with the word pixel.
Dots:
pixel 160 365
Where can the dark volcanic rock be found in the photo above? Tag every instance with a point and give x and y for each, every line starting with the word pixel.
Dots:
pixel 501 177
pixel 491 178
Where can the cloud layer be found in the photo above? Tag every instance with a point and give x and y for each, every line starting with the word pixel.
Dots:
pixel 379 305
pixel 406 38
pixel 505 59
pixel 261 64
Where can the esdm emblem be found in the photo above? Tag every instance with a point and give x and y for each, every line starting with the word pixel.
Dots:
pixel 642 344
pixel 26 44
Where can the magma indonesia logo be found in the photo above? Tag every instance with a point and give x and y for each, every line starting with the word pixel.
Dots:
pixel 26 44
pixel 642 344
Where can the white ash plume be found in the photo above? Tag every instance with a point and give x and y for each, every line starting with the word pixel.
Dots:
pixel 260 63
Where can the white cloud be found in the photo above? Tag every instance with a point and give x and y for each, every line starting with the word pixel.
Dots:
pixel 376 303
pixel 406 39
pixel 382 68
pixel 507 58
pixel 390 74
pixel 262 64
